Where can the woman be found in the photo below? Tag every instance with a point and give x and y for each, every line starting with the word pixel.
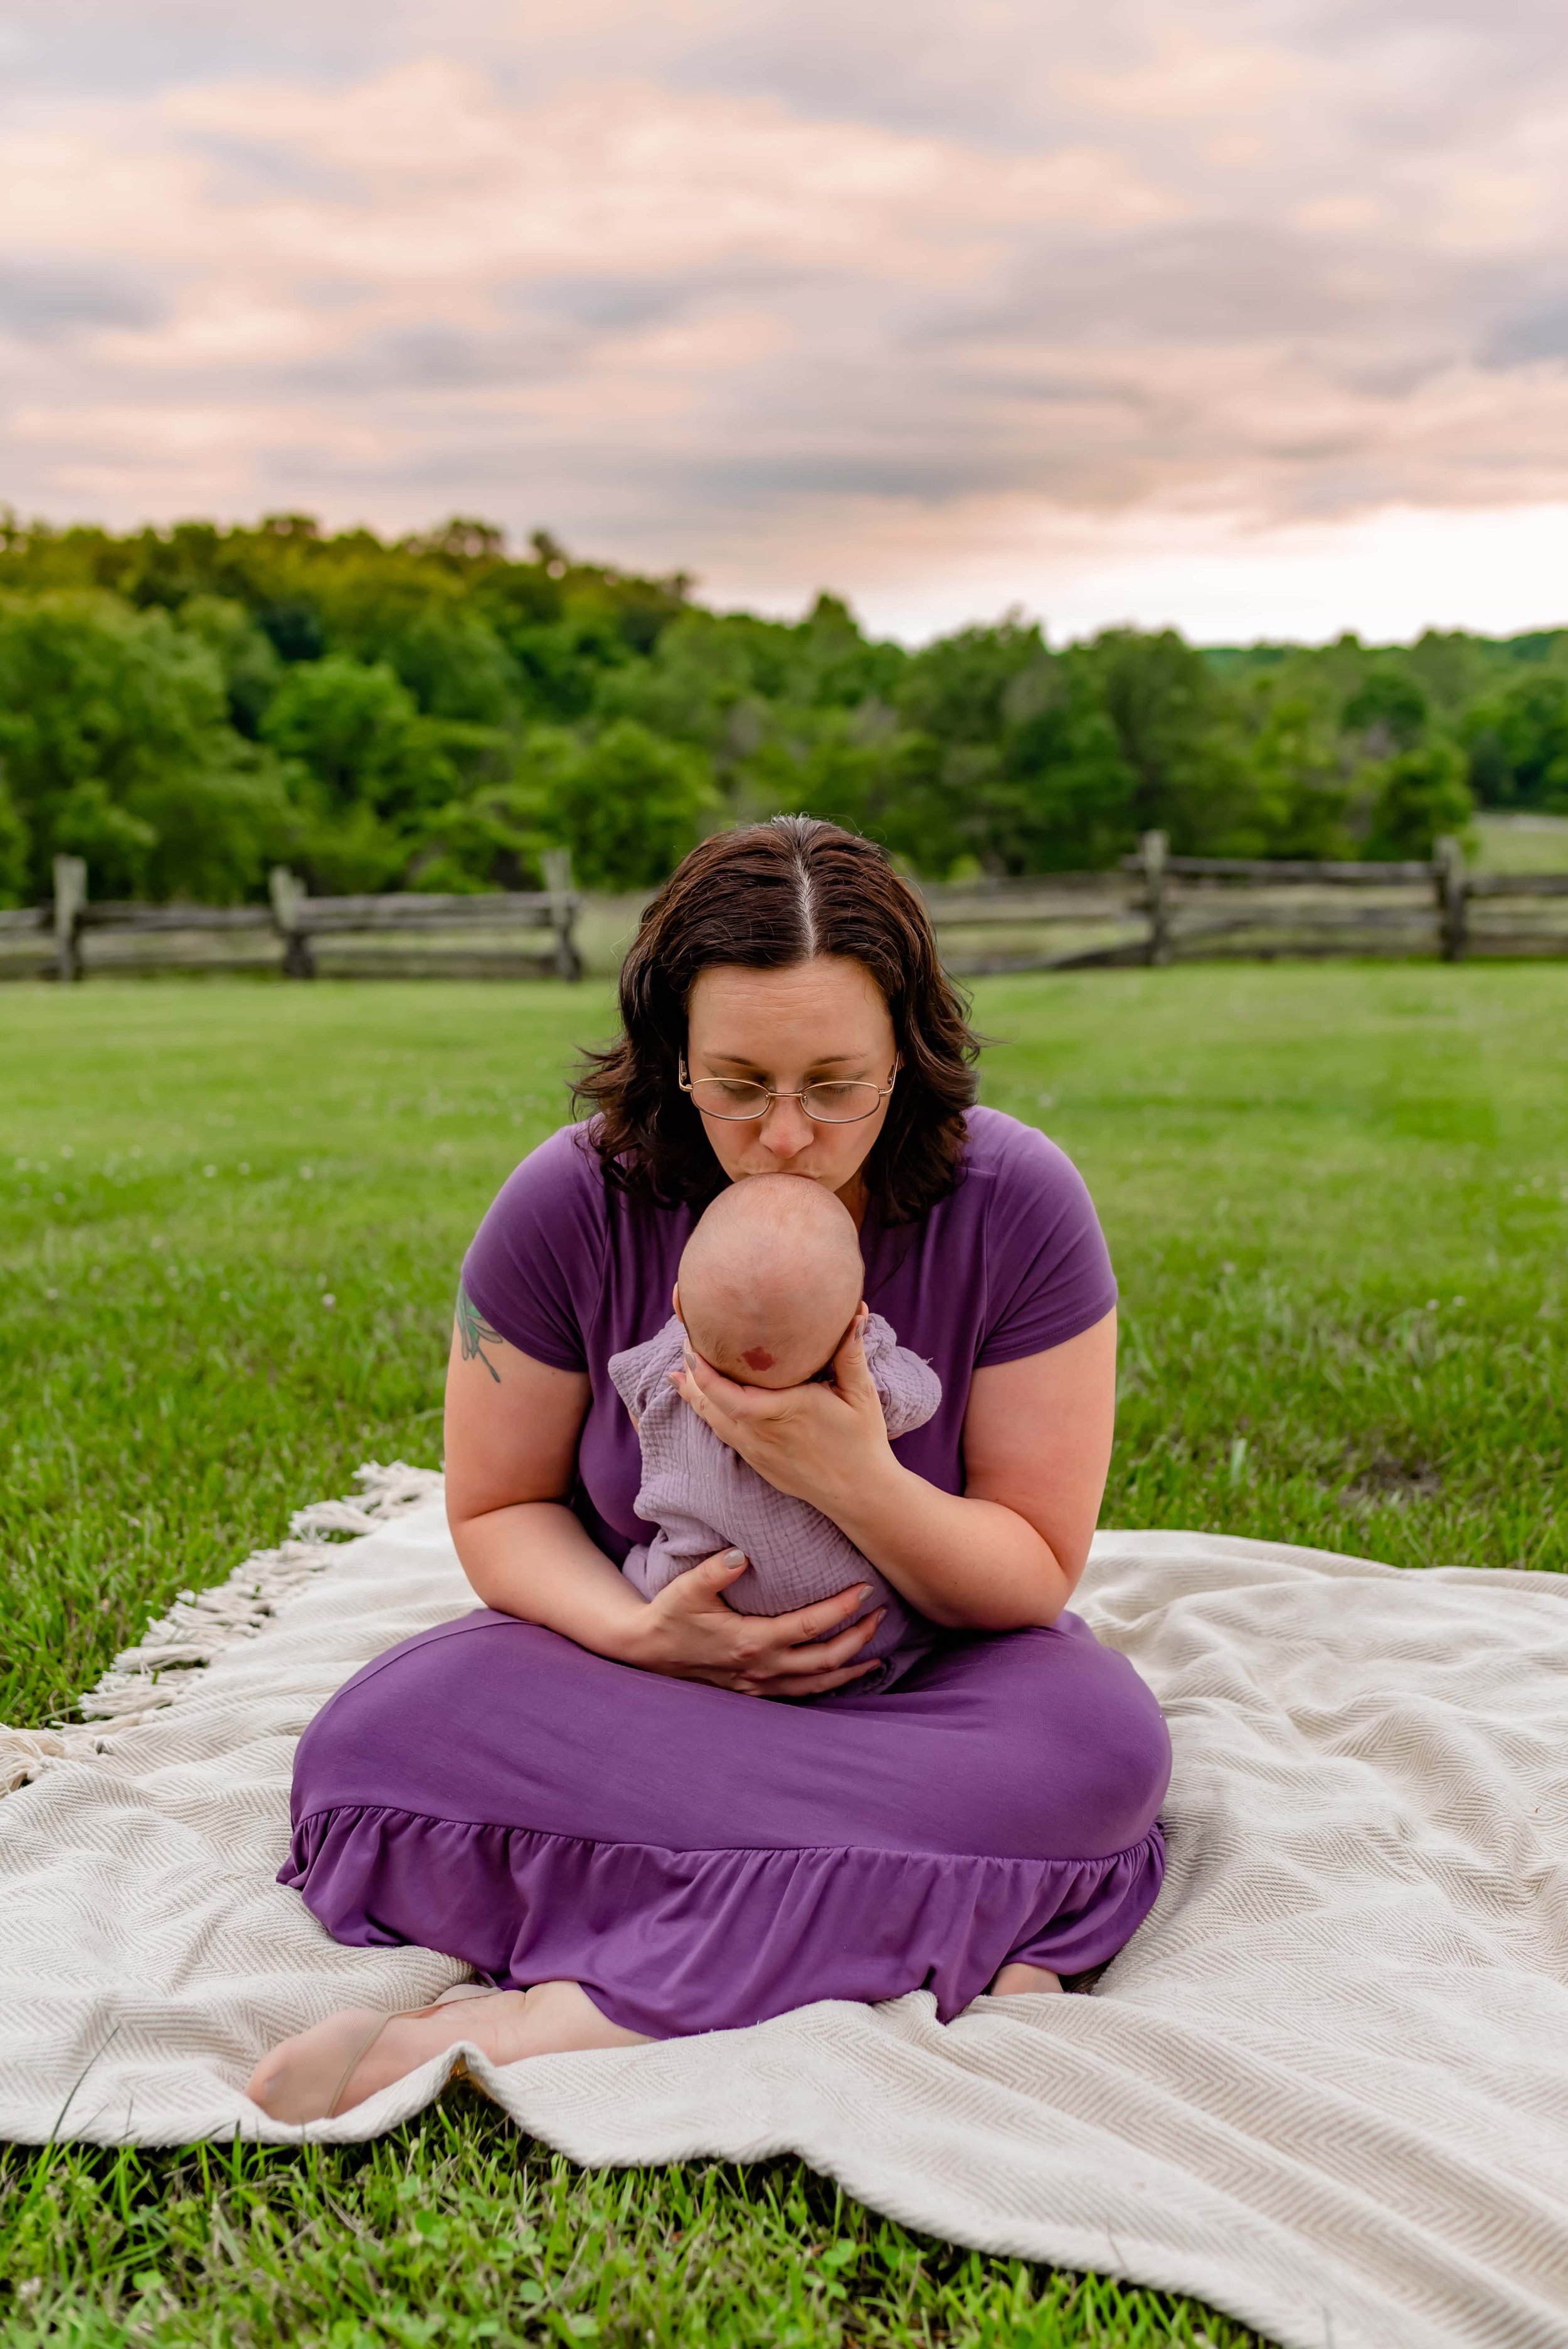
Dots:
pixel 564 1788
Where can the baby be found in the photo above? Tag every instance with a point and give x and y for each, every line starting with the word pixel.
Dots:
pixel 769 1283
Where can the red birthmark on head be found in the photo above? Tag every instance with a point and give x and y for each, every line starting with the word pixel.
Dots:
pixel 757 1357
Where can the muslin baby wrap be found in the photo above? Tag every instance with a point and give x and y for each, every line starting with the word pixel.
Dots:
pixel 704 1498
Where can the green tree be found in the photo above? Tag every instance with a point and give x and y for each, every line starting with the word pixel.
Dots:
pixel 246 655
pixel 1177 730
pixel 1387 709
pixel 627 804
pixel 1301 788
pixel 1420 795
pixel 492 840
pixel 111 720
pixel 116 844
pixel 217 832
pixel 356 730
pixel 1074 808
pixel 16 863
pixel 1518 743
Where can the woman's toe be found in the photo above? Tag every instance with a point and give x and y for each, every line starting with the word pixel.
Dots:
pixel 303 2079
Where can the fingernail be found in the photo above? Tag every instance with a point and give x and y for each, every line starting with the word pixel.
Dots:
pixel 733 1557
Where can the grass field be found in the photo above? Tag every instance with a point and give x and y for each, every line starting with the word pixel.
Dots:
pixel 1522 844
pixel 229 1221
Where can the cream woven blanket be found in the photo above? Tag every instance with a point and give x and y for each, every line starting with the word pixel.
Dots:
pixel 1326 2088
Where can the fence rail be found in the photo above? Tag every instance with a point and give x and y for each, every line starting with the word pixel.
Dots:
pixel 1160 908
pixel 502 934
pixel 1152 908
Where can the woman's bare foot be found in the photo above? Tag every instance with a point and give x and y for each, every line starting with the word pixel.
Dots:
pixel 1014 1978
pixel 337 2063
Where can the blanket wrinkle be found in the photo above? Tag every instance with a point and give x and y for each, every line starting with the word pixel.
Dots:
pixel 1323 2088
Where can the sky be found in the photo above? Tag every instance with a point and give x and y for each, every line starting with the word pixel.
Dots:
pixel 1249 316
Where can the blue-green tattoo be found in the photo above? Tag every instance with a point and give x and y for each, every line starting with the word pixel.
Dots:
pixel 474 1333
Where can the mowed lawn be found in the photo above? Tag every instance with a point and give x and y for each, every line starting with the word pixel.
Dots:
pixel 231 1218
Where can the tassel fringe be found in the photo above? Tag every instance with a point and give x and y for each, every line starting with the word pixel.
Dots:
pixel 165 1663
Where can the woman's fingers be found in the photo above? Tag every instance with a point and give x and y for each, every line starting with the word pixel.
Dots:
pixel 713 1386
pixel 825 1655
pixel 820 1682
pixel 720 1570
pixel 823 1616
pixel 850 1361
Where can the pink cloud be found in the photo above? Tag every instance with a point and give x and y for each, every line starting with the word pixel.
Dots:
pixel 745 302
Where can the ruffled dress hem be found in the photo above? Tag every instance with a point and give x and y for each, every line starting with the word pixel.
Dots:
pixel 668 1942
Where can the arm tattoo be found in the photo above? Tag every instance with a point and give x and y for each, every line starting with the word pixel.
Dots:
pixel 474 1333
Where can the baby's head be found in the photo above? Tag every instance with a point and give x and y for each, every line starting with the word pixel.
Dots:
pixel 770 1280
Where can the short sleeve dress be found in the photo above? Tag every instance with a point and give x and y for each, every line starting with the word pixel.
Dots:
pixel 696 1860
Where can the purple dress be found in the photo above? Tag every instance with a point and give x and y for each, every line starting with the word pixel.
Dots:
pixel 699 1860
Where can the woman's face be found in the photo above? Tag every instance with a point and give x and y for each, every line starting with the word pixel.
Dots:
pixel 786 1029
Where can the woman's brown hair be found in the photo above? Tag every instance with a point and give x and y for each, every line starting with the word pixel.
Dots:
pixel 768 897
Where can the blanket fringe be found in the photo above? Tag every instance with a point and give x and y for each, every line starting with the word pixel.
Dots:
pixel 201 1623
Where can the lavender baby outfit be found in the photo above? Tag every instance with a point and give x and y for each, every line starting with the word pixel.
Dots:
pixel 703 1497
pixel 699 1859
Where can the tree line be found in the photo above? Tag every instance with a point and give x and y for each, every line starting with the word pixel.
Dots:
pixel 184 708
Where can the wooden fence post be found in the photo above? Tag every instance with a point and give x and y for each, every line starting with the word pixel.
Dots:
pixel 1452 888
pixel 557 864
pixel 1153 850
pixel 288 895
pixel 70 896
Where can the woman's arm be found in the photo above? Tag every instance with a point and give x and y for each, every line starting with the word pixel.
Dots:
pixel 1007 1551
pixel 512 1430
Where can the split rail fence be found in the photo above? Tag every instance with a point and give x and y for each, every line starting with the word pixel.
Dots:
pixel 1153 908
pixel 1160 908
pixel 500 933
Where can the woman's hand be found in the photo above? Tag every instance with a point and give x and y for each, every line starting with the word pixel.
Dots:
pixel 1001 1555
pixel 822 1444
pixel 688 1633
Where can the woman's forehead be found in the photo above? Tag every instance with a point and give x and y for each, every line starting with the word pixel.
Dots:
pixel 839 996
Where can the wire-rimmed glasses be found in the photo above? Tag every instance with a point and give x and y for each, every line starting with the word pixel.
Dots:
pixel 831 1101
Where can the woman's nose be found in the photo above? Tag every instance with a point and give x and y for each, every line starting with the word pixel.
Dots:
pixel 786 1130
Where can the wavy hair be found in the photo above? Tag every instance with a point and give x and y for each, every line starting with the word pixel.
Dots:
pixel 768 897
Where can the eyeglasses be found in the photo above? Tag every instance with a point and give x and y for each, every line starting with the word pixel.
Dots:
pixel 831 1102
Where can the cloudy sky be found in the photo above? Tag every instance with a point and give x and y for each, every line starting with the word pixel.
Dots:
pixel 1251 314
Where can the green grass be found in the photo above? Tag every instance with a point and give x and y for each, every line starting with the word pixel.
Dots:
pixel 1522 844
pixel 1338 1203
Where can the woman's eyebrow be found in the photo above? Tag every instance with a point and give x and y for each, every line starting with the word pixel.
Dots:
pixel 822 1061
